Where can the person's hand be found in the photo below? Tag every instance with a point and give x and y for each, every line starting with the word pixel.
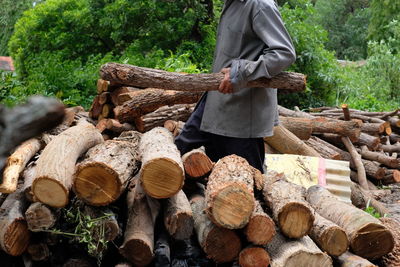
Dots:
pixel 226 86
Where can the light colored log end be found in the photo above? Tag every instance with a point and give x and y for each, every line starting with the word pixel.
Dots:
pixel 50 192
pixel 334 241
pixel 222 245
pixel 16 238
pixel 295 220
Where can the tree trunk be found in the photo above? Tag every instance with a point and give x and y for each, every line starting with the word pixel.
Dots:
pixel 370 141
pixel 351 129
pixel 56 165
pixel 368 237
pixel 146 77
pixel 105 171
pixel 290 210
pixel 162 172
pixel 229 193
pixel 145 101
pixel 254 256
pixel 373 169
pixel 348 259
pixel 323 148
pixel 179 112
pixel 301 127
pixel 40 217
pixel 374 128
pixel 391 177
pixel 261 228
pixel 197 164
pixel 380 157
pixel 392 259
pixel 178 217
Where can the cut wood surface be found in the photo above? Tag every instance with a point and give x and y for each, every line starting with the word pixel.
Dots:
pixel 392 259
pixel 175 127
pixel 374 128
pixel 40 217
pixel 114 94
pixel 96 108
pixel 197 164
pixel 145 77
pixel 290 210
pixel 368 237
pixel 56 165
pixel 391 177
pixel 254 256
pixel 348 259
pixel 105 171
pixel 102 86
pixel 162 172
pixel 372 142
pixel 229 192
pixel 116 127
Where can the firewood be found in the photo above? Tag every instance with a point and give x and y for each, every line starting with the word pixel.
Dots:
pixel 178 217
pixel 370 141
pixel 329 236
pixel 362 198
pixel 197 164
pixel 254 256
pixel 368 237
pixel 391 177
pixel 287 143
pixel 394 122
pixel 288 205
pixel 374 128
pixel 303 252
pixel 291 113
pixel 354 178
pixel 346 112
pixel 56 165
pixel 28 175
pixel 117 127
pixel 269 149
pixel 145 101
pixel 301 127
pixel 261 228
pixel 39 251
pixel 351 129
pixel 114 95
pixel 162 172
pixel 323 148
pixel 107 226
pixel 162 251
pixel 229 192
pixel 394 138
pixel 106 111
pixel 102 86
pixel 138 245
pixel 179 112
pixel 373 169
pixel 175 127
pixel 391 148
pixel 40 217
pixel 380 157
pixel 96 108
pixel 220 244
pixel 393 257
pixel 348 259
pixel 146 77
pixel 105 171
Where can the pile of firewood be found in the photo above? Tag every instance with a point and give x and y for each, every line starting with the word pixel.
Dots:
pixel 96 180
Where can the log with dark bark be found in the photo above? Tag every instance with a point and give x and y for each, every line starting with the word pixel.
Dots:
pixel 324 148
pixel 391 177
pixel 288 205
pixel 56 165
pixel 40 217
pixel 368 237
pixel 374 128
pixel 145 101
pixel 254 256
pixel 394 138
pixel 197 164
pixel 380 157
pixel 102 86
pixel 373 169
pixel 106 224
pixel 105 171
pixel 229 193
pixel 145 77
pixel 392 259
pixel 162 172
pixel 348 259
pixel 370 141
pixel 39 251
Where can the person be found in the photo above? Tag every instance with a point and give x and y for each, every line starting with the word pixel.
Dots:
pixel 252 42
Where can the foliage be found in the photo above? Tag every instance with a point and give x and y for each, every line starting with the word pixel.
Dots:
pixel 382 13
pixel 12 90
pixel 371 211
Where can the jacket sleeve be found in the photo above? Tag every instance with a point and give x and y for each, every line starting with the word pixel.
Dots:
pixel 276 57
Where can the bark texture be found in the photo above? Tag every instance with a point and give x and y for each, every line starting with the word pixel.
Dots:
pixel 348 259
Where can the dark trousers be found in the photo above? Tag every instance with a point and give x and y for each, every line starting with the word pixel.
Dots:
pixel 218 146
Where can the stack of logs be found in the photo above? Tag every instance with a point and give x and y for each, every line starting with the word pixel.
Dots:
pixel 148 198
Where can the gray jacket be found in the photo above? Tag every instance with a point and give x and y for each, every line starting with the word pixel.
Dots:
pixel 253 41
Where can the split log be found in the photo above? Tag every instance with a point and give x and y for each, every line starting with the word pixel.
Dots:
pixel 392 259
pixel 56 165
pixel 370 141
pixel 117 127
pixel 362 198
pixel 96 108
pixel 324 148
pixel 220 244
pixel 261 228
pixel 115 99
pixel 287 143
pixel 175 127
pixel 354 178
pixel 162 172
pixel 229 193
pixel 380 157
pixel 301 127
pixel 254 256
pixel 40 217
pixel 348 259
pixel 39 251
pixel 102 86
pixel 197 164
pixel 329 236
pixel 301 252
pixel 178 217
pixel 368 237
pixel 105 171
pixel 138 245
pixel 391 177
pixel 288 205
pixel 149 100
pixel 146 77
pixel 180 112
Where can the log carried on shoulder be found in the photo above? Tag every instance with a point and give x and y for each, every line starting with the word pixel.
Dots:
pixel 145 77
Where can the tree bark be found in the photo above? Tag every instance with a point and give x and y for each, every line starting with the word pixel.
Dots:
pixel 324 148
pixel 28 175
pixel 374 128
pixel 290 210
pixel 373 169
pixel 254 256
pixel 392 258
pixel 380 157
pixel 162 172
pixel 107 226
pixel 197 164
pixel 96 108
pixel 301 127
pixel 56 165
pixel 102 86
pixel 146 77
pixel 348 259
pixel 361 199
pixel 120 91
pixel 391 148
pixel 391 177
pixel 351 129
pixel 117 127
pixel 229 193
pixel 368 237
pixel 370 141
pixel 40 217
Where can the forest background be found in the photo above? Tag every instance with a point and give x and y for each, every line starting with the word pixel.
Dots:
pixel 58 46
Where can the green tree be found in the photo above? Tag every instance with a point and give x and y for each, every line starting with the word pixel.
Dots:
pixel 382 13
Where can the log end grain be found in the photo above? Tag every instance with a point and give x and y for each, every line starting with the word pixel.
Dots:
pixel 308 259
pixel 260 230
pixel 16 238
pixel 50 192
pixel 181 227
pixel 222 245
pixel 254 256
pixel 162 178
pixel 39 217
pixel 137 252
pixel 97 184
pixel 197 164
pixel 334 241
pixel 295 220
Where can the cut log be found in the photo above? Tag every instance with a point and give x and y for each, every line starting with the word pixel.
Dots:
pixel 28 175
pixel 229 193
pixel 394 138
pixel 373 169
pixel 104 98
pixel 269 149
pixel 288 205
pixel 392 258
pixel 394 122
pixel 14 233
pixel 348 259
pixel 362 198
pixel 220 244
pixel 291 113
pixel 175 127
pixel 105 171
pixel 287 143
pixel 162 172
pixel 117 127
pixel 138 242
pixel 329 236
pixel 391 148
pixel 346 112
pixel 145 101
pixel 261 228
pixel 178 217
pixel 391 177
pixel 101 125
pixel 146 77
pixel 370 141
pixel 368 237
pixel 197 164
pixel 254 256
pixel 301 252
pixel 301 127
pixel 102 86
pixel 56 165
pixel 374 128
pixel 351 129
pixel 380 157
pixel 106 111
pixel 180 112
pixel 324 148
pixel 119 91
pixel 40 217
pixel 106 224
pixel 39 251
pixel 96 108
